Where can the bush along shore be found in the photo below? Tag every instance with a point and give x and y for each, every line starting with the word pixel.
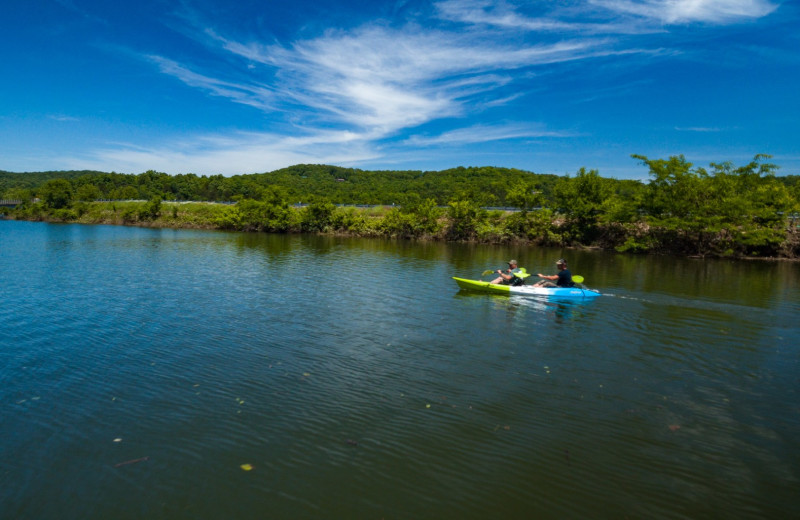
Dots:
pixel 728 212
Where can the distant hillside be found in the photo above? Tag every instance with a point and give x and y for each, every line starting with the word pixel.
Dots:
pixel 302 182
pixel 30 180
pixel 731 211
pixel 486 185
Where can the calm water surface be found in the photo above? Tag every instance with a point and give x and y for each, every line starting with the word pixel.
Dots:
pixel 141 369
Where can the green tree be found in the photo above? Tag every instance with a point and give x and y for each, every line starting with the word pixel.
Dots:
pixel 676 191
pixel 583 201
pixel 124 193
pixel 466 217
pixel 317 216
pixel 524 196
pixel 56 193
pixel 21 194
pixel 732 210
pixel 87 192
pixel 753 205
pixel 151 210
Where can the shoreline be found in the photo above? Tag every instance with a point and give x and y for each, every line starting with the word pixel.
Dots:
pixel 161 223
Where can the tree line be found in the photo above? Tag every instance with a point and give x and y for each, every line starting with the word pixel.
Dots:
pixel 300 183
pixel 725 210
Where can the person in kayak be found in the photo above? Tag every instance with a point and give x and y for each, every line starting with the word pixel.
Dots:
pixel 562 279
pixel 509 277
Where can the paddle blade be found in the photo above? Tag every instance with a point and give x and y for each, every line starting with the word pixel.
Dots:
pixel 577 279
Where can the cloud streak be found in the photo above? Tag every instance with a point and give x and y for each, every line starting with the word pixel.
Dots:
pixel 690 11
pixel 701 129
pixel 377 81
pixel 257 96
pixel 486 133
pixel 506 16
pixel 241 152
pixel 344 91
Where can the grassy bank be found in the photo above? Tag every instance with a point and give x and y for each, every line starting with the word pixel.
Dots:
pixel 459 221
pixel 724 211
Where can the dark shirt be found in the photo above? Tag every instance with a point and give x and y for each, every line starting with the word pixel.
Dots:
pixel 564 279
pixel 514 280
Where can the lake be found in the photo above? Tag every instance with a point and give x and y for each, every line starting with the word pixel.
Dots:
pixel 156 373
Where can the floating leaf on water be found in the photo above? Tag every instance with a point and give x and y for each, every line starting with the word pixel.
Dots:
pixel 427 406
pixel 246 467
pixel 306 374
pixel 118 439
pixel 674 427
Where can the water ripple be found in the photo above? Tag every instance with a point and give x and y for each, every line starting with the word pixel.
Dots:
pixel 357 381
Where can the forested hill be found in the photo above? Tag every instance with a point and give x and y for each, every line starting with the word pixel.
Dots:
pixel 724 211
pixel 29 180
pixel 486 186
pixel 300 183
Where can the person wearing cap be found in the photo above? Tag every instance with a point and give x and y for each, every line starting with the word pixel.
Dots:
pixel 562 279
pixel 509 277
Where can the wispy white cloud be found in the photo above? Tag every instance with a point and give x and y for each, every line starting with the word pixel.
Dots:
pixel 620 17
pixel 251 152
pixel 241 152
pixel 346 91
pixel 486 133
pixel 690 11
pixel 701 129
pixel 501 14
pixel 63 118
pixel 379 80
pixel 505 15
pixel 255 95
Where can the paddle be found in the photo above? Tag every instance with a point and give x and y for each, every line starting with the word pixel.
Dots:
pixel 521 274
pixel 524 274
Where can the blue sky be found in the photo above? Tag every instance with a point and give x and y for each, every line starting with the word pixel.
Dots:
pixel 237 87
